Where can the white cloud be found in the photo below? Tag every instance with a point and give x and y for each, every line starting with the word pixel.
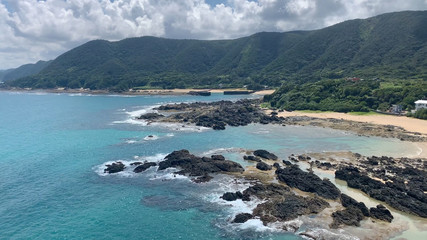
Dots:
pixel 33 30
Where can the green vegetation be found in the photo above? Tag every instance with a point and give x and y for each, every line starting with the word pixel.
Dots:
pixel 342 95
pixel 389 46
pixel 421 114
pixel 23 71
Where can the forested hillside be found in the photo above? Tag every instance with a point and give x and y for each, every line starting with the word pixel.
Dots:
pixel 389 46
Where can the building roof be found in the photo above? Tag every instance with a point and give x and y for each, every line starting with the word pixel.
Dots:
pixel 421 102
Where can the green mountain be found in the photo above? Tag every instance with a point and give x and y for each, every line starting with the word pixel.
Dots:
pixel 389 46
pixel 23 71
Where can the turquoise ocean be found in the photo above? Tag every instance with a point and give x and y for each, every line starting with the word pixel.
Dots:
pixel 53 148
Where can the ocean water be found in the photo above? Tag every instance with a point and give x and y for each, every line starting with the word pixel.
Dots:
pixel 53 148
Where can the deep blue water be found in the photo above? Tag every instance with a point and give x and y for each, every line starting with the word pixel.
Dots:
pixel 51 146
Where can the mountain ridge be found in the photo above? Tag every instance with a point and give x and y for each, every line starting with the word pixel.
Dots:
pixel 391 45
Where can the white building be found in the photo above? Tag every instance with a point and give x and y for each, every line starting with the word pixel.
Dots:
pixel 420 104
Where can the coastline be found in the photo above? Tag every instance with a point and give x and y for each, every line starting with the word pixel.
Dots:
pixel 138 92
pixel 409 124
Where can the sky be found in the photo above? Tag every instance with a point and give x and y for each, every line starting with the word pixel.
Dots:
pixel 32 30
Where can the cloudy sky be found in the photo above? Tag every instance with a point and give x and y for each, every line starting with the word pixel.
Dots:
pixel 32 30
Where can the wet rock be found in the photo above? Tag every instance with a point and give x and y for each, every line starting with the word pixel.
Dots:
pixel 290 207
pixel 265 154
pixel 381 213
pixel 230 196
pixel 218 157
pixel 196 166
pixel 350 216
pixel 263 166
pixel 242 217
pixel 202 179
pixel 407 197
pixel 293 176
pixel 145 166
pixel 151 116
pixel 287 163
pixel 268 191
pixel 252 158
pixel 348 201
pixel 276 165
pixel 136 163
pixel 114 167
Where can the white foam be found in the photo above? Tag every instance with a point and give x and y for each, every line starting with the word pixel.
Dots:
pixel 167 174
pixel 256 225
pixel 131 141
pixel 151 138
pixel 127 172
pixel 170 135
pixel 132 121
pixel 223 150
pixel 180 127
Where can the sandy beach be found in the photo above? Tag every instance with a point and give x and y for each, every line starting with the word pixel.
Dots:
pixel 409 124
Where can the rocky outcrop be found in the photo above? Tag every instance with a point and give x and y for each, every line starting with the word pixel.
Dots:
pixel 405 192
pixel 289 207
pixel 265 154
pixel 350 216
pixel 381 213
pixel 279 202
pixel 293 176
pixel 242 217
pixel 230 196
pixel 348 201
pixel 114 167
pixel 263 166
pixel 150 116
pixel 218 115
pixel 251 158
pixel 145 166
pixel 196 166
pixel 202 179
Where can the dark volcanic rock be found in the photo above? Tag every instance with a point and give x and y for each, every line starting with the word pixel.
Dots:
pixel 242 217
pixel 230 196
pixel 290 207
pixel 218 157
pixel 144 167
pixel 265 154
pixel 348 201
pixel 196 166
pixel 381 213
pixel 293 176
pixel 263 166
pixel 287 163
pixel 252 158
pixel 114 167
pixel 202 179
pixel 405 197
pixel 350 216
pixel 150 116
pixel 268 191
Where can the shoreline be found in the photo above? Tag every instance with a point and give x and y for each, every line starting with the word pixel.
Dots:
pixel 409 124
pixel 137 92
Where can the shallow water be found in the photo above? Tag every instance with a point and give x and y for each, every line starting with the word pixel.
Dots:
pixel 51 147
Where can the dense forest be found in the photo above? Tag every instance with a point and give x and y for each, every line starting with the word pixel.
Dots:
pixel 389 46
pixel 347 95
